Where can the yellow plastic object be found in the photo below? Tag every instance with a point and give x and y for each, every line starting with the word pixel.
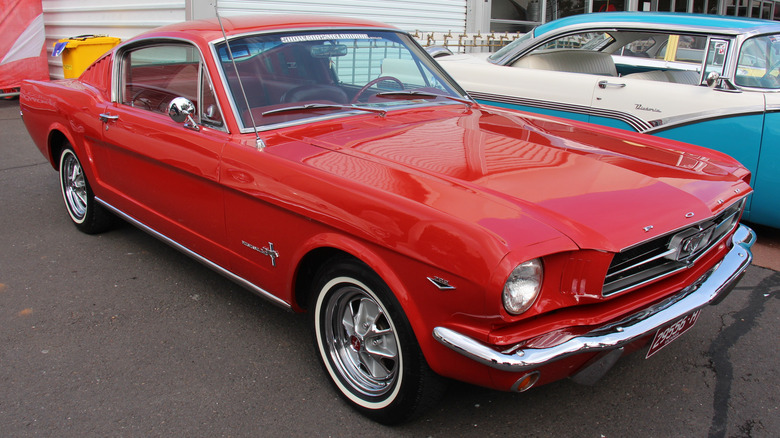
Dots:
pixel 81 52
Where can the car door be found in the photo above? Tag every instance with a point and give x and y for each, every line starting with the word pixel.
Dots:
pixel 727 121
pixel 160 172
pixel 557 78
pixel 766 178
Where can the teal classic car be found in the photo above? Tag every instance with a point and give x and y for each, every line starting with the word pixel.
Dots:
pixel 702 79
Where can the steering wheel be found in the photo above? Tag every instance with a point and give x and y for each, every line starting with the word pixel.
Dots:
pixel 374 82
pixel 147 96
pixel 138 101
pixel 775 80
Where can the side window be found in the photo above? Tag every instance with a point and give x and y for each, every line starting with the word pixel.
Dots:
pixel 758 63
pixel 209 110
pixel 640 48
pixel 685 48
pixel 681 48
pixel 590 41
pixel 154 75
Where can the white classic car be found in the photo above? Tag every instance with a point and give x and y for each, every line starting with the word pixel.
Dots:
pixel 702 79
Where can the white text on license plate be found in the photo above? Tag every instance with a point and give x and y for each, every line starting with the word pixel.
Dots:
pixel 665 335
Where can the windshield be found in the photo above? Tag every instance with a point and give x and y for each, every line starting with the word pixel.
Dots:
pixel 758 62
pixel 510 48
pixel 283 74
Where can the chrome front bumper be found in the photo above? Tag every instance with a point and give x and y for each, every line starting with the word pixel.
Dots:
pixel 710 288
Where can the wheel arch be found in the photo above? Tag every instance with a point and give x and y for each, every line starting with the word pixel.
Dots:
pixel 56 143
pixel 331 248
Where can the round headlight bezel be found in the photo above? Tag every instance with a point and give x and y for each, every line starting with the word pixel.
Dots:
pixel 523 286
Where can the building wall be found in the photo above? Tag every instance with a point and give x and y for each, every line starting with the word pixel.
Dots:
pixel 127 18
pixel 409 15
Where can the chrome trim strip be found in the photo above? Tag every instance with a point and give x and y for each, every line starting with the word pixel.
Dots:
pixel 637 285
pixel 219 269
pixel 686 119
pixel 635 122
pixel 710 288
pixel 643 262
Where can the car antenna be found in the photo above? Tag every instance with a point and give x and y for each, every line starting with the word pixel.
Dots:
pixel 259 141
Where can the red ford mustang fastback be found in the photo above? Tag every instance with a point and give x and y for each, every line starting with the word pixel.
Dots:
pixel 332 167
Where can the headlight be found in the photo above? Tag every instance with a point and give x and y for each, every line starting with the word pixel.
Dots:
pixel 523 286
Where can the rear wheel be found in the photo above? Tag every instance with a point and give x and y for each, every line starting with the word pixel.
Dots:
pixel 88 216
pixel 367 346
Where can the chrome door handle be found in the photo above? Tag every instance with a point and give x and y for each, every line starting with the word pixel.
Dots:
pixel 605 84
pixel 105 117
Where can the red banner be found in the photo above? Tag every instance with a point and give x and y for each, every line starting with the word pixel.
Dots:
pixel 22 46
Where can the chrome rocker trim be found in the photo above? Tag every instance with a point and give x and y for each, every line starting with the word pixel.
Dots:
pixel 710 288
pixel 192 254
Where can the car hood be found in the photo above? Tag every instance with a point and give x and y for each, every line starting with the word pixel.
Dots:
pixel 603 188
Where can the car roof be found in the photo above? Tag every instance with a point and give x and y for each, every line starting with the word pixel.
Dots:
pixel 716 23
pixel 210 30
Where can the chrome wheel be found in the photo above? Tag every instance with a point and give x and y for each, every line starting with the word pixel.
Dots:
pixel 88 216
pixel 74 187
pixel 367 346
pixel 363 345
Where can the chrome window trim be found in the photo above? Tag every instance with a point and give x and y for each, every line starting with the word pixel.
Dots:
pixel 720 32
pixel 613 27
pixel 178 246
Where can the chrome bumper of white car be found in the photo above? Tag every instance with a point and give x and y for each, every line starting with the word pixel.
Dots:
pixel 710 288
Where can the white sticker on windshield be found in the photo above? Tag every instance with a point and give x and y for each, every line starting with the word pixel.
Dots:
pixel 324 37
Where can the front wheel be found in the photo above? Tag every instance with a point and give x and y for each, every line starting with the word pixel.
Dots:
pixel 367 347
pixel 86 214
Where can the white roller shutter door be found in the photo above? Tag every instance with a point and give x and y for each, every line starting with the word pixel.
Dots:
pixel 409 15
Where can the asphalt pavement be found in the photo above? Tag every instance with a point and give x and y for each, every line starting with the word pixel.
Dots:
pixel 120 335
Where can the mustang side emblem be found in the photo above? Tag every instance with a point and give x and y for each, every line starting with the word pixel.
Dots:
pixel 641 107
pixel 648 228
pixel 441 283
pixel 269 251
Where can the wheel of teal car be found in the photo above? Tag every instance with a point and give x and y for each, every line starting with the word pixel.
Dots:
pixel 86 214
pixel 367 347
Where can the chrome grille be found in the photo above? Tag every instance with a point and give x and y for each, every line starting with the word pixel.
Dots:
pixel 668 254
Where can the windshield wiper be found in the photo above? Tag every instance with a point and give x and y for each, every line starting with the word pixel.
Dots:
pixel 422 94
pixel 321 106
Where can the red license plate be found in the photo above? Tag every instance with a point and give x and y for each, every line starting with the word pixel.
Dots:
pixel 665 335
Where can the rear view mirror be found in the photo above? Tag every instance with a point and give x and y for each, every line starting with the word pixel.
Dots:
pixel 328 50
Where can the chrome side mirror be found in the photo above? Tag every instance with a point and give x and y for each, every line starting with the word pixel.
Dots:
pixel 712 79
pixel 180 110
pixel 721 83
